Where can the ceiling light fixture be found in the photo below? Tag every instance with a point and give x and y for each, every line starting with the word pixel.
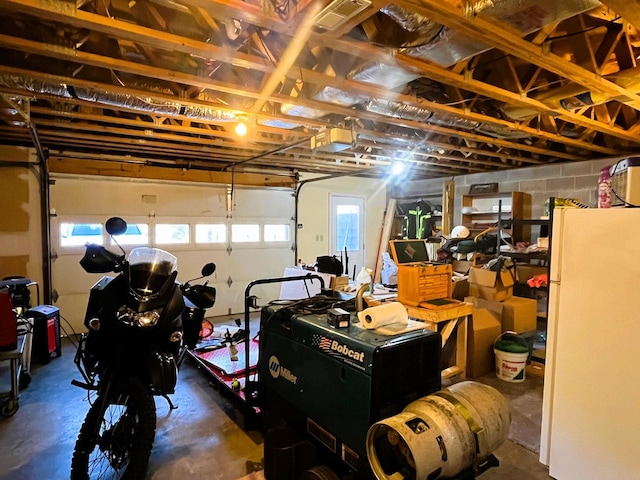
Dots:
pixel 397 167
pixel 241 129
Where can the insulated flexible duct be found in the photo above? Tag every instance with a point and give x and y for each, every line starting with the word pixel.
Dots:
pixel 440 435
pixel 103 97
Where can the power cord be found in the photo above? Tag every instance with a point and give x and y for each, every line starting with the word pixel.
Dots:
pixel 315 305
pixel 613 170
pixel 74 333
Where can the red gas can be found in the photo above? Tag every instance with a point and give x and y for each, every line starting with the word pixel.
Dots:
pixel 8 323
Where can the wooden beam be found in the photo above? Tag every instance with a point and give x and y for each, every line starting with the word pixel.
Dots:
pixel 162 40
pixel 125 30
pixel 115 169
pixel 627 9
pixel 507 39
pixel 288 58
pixel 150 36
pixel 345 111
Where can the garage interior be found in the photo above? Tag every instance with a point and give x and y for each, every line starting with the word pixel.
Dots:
pixel 263 112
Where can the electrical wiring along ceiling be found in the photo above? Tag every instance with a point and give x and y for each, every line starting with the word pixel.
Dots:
pixel 156 88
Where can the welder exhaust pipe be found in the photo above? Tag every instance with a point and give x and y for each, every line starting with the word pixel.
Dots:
pixel 440 435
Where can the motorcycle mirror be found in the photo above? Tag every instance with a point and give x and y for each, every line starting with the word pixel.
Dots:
pixel 116 226
pixel 208 269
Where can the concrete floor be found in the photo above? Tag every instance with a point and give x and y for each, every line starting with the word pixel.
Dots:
pixel 204 438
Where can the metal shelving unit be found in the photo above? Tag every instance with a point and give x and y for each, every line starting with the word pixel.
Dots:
pixel 487 210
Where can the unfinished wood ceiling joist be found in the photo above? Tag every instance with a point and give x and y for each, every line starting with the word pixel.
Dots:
pixel 452 87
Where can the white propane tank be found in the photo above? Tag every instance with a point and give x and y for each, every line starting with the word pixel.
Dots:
pixel 440 435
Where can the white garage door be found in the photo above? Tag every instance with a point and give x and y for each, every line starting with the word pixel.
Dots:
pixel 251 242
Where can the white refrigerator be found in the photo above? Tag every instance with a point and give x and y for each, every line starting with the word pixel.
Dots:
pixel 591 399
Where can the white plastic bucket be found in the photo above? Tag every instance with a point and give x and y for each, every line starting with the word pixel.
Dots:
pixel 511 352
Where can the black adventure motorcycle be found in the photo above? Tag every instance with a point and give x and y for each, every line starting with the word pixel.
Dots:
pixel 140 323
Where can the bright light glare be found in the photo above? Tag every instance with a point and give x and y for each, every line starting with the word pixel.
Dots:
pixel 397 168
pixel 241 129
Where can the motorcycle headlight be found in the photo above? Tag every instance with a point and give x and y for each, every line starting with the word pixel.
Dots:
pixel 147 319
pixel 139 319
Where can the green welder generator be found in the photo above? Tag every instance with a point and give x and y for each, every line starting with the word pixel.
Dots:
pixel 330 384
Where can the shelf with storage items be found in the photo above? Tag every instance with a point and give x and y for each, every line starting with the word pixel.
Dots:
pixel 484 210
pixel 435 211
pixel 533 263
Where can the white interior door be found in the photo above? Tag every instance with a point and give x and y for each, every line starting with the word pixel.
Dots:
pixel 346 231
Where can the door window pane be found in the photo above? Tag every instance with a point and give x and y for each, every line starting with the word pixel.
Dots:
pixel 136 234
pixel 276 233
pixel 172 233
pixel 347 226
pixel 73 234
pixel 245 233
pixel 211 233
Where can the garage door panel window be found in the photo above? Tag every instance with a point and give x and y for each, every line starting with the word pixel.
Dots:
pixel 78 234
pixel 136 234
pixel 276 233
pixel 245 233
pixel 172 233
pixel 211 233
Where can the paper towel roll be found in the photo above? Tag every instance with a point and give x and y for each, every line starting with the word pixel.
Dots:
pixel 386 314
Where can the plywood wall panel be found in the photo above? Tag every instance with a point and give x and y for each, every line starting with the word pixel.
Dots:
pixel 13 265
pixel 15 197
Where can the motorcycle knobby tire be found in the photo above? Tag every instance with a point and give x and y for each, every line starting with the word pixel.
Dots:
pixel 117 434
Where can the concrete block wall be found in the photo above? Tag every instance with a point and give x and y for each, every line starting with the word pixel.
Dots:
pixel 577 180
pixel 429 187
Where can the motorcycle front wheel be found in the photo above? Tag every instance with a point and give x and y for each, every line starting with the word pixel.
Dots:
pixel 116 437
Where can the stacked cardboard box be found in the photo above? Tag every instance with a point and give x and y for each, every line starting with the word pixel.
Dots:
pixel 490 285
pixel 491 293
pixel 517 314
pixel 482 331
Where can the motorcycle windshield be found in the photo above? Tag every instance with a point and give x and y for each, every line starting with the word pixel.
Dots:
pixel 150 269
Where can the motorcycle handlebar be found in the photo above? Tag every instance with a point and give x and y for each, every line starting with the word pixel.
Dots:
pixel 202 296
pixel 98 259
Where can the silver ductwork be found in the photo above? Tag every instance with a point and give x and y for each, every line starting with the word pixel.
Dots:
pixel 208 113
pixel 277 123
pixel 425 30
pixel 526 16
pixel 411 112
pixel 300 111
pixel 501 131
pixel 34 86
pixel 445 119
pixel 338 96
pixel 102 97
pixel 382 75
pixel 529 15
pixel 398 110
pixel 124 100
pixel 448 48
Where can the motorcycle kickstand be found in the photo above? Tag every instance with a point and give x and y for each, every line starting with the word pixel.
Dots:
pixel 171 405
